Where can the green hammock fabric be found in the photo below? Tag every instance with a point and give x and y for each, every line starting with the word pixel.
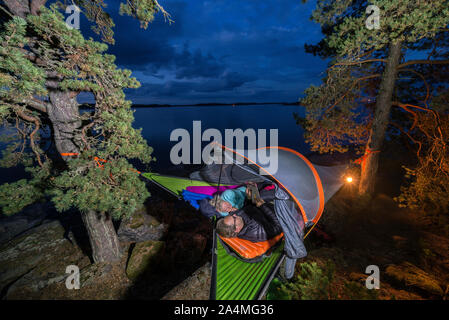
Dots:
pixel 175 184
pixel 235 279
pixel 239 280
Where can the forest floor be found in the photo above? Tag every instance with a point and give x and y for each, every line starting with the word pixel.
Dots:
pixel 410 247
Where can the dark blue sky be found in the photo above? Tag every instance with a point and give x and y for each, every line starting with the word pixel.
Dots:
pixel 220 51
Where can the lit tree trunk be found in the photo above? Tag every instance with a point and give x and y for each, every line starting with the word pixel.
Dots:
pixel 63 112
pixel 64 116
pixel 102 236
pixel 370 160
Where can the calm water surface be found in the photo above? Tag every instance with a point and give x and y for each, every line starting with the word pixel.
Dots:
pixel 158 123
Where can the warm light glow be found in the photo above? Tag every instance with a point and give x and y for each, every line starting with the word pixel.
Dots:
pixel 349 179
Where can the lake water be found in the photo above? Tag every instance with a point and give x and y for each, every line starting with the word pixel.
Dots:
pixel 157 123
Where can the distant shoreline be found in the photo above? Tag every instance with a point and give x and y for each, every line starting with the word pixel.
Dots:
pixel 212 104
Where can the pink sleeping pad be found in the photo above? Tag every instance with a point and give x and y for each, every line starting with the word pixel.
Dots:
pixel 211 190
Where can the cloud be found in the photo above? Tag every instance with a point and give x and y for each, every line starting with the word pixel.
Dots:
pixel 230 50
pixel 190 65
pixel 189 89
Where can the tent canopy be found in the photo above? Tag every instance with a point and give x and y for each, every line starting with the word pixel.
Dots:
pixel 309 185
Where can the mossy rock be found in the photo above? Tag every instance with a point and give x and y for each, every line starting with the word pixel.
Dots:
pixel 137 224
pixel 140 226
pixel 144 258
pixel 410 275
pixel 136 219
pixel 152 222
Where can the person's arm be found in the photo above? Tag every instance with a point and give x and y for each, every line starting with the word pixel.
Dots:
pixel 207 209
pixel 266 195
pixel 273 227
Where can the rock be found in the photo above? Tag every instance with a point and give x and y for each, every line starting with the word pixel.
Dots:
pixel 410 275
pixel 94 273
pixel 144 258
pixel 140 227
pixel 30 217
pixel 195 287
pixel 36 259
pixel 32 282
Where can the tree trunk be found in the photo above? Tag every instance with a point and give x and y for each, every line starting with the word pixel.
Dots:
pixel 64 115
pixel 102 236
pixel 370 160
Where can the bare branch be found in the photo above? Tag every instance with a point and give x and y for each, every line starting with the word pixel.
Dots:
pixel 352 87
pixel 408 63
pixel 21 113
pixel 423 79
pixel 419 143
pixel 167 16
pixel 37 105
pixel 358 62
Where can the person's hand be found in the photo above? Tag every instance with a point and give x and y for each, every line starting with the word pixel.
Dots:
pixel 259 202
pixel 248 193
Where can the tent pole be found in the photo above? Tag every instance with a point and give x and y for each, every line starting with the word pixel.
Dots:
pixel 213 280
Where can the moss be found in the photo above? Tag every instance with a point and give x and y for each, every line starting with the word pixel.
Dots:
pixel 152 222
pixel 136 225
pixel 136 220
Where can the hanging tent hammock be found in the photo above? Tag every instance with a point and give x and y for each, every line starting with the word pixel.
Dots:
pixel 242 270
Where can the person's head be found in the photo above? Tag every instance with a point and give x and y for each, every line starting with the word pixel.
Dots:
pixel 230 226
pixel 221 205
pixel 236 197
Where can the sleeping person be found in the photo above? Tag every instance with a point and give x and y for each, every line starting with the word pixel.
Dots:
pixel 255 221
pixel 232 200
pixel 222 204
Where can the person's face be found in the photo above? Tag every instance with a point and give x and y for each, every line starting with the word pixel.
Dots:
pixel 234 220
pixel 226 207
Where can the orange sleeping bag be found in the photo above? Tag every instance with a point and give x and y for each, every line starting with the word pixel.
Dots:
pixel 248 249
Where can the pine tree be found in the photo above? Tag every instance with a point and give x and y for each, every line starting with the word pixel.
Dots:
pixel 353 105
pixel 44 65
